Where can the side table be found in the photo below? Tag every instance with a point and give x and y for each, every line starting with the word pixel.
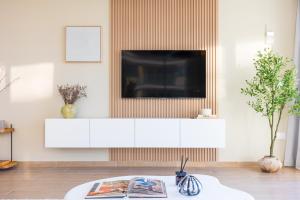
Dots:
pixel 8 164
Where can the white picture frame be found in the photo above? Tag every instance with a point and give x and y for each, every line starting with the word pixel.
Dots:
pixel 83 43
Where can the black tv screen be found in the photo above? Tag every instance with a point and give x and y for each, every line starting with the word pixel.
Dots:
pixel 163 74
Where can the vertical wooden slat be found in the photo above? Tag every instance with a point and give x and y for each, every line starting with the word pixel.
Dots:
pixel 162 24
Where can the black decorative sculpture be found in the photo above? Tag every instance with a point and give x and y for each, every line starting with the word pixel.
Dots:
pixel 190 186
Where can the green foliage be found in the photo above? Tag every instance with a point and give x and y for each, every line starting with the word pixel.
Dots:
pixel 272 88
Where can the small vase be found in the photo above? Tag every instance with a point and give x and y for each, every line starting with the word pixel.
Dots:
pixel 179 175
pixel 190 186
pixel 68 111
pixel 270 164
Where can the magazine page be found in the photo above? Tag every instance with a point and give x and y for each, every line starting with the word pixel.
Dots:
pixel 110 189
pixel 143 187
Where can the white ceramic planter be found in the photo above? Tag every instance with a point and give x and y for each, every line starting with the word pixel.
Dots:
pixel 270 164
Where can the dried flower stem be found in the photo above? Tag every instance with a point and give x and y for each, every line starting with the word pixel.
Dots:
pixel 71 93
pixel 7 84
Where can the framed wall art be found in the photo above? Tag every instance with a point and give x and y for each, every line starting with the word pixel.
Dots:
pixel 83 44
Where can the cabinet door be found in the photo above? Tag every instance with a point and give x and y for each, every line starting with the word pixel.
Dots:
pixel 202 133
pixel 112 132
pixel 67 133
pixel 157 133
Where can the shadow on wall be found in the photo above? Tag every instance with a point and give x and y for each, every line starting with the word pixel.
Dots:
pixel 26 103
pixel 33 93
pixel 35 83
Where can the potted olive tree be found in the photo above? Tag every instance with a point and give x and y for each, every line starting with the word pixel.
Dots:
pixel 272 89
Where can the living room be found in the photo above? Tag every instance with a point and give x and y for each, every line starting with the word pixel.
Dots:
pixel 102 89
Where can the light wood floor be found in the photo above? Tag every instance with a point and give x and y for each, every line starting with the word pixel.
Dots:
pixel 53 183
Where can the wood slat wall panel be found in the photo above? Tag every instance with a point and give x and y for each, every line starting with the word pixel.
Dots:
pixel 162 25
pixel 162 154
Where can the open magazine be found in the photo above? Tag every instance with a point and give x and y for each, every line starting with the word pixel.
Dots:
pixel 138 187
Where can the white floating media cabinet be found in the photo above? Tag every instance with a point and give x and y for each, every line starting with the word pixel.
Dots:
pixel 130 133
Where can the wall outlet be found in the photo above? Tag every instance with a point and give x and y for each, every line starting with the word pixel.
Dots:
pixel 281 136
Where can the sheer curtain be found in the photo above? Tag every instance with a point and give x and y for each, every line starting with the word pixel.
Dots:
pixel 292 153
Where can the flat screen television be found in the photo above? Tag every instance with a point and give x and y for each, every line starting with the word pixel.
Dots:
pixel 163 73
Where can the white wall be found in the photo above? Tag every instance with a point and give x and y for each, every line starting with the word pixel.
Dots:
pixel 32 47
pixel 241 33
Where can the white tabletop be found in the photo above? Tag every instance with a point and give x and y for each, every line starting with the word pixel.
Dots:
pixel 212 189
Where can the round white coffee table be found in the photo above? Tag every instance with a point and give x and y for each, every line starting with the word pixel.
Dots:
pixel 212 189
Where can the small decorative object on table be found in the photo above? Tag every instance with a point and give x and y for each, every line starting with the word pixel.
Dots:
pixel 70 94
pixel 181 174
pixel 190 186
pixel 2 124
pixel 206 112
